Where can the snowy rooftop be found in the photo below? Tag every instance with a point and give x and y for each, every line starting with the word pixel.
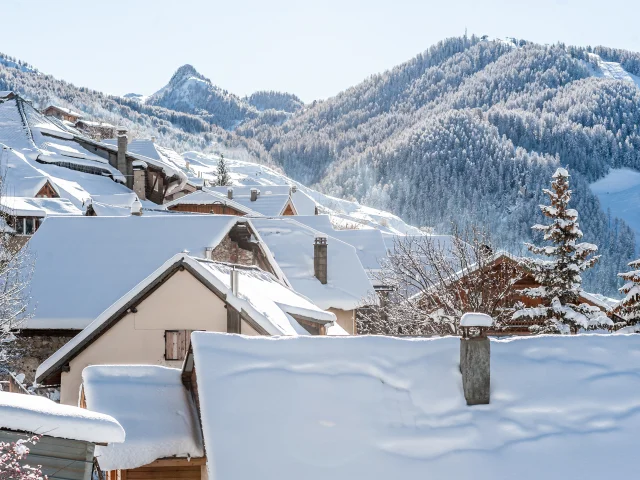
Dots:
pixel 161 421
pixel 302 202
pixel 68 111
pixel 204 197
pixel 34 414
pixel 290 243
pixel 268 203
pixel 379 407
pixel 37 207
pixel 368 242
pixel 84 264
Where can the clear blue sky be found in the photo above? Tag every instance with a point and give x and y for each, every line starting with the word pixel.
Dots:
pixel 312 49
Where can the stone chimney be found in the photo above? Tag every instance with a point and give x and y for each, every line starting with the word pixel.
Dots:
pixel 153 139
pixel 121 164
pixel 230 193
pixel 254 194
pixel 475 358
pixel 293 189
pixel 320 259
pixel 140 179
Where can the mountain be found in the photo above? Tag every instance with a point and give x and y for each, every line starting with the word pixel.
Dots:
pixel 471 130
pixel 191 92
pixel 270 100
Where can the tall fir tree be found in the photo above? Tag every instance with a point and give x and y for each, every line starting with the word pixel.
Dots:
pixel 223 173
pixel 559 276
pixel 629 307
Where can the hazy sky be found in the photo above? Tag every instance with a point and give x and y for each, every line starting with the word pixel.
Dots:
pixel 312 49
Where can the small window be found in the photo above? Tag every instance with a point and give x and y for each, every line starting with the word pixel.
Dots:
pixel 176 344
pixel 29 226
pixel 20 226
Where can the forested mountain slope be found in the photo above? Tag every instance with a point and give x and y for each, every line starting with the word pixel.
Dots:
pixel 471 130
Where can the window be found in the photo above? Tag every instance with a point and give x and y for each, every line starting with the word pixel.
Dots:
pixel 29 226
pixel 176 344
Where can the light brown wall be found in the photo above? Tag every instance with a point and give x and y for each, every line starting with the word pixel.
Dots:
pixel 182 302
pixel 346 319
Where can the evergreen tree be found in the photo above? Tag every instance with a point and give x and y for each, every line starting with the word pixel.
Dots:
pixel 223 173
pixel 629 307
pixel 559 277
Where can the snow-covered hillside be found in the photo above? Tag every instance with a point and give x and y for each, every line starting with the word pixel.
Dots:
pixel 344 213
pixel 611 70
pixel 619 193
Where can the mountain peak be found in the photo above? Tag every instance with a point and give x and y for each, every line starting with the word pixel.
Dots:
pixel 186 71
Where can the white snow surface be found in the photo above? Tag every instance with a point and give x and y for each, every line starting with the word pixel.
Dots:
pixel 619 191
pixel 290 244
pixel 156 411
pixel 471 319
pixel 84 264
pixel 562 407
pixel 37 207
pixel 612 70
pixel 35 414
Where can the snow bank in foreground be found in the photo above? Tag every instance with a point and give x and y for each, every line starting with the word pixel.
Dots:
pixel 379 408
pixel 154 408
pixel 30 413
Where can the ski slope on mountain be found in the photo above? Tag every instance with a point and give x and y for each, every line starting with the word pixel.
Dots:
pixel 612 70
pixel 619 193
pixel 344 213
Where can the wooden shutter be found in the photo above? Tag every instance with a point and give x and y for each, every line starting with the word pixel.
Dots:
pixel 176 344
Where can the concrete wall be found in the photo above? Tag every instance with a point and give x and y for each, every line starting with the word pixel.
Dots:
pixel 181 303
pixel 346 319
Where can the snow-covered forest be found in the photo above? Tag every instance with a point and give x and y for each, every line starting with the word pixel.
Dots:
pixel 470 130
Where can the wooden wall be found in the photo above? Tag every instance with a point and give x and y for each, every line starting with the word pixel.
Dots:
pixel 215 209
pixel 61 459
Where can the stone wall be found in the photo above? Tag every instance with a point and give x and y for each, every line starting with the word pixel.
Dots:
pixel 229 251
pixel 26 353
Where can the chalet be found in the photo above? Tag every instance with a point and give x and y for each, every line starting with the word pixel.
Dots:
pixel 381 407
pixel 205 201
pixel 503 262
pixel 323 268
pixel 62 113
pixel 96 130
pixel 68 435
pixel 21 179
pixel 25 215
pixel 301 203
pixel 151 323
pixel 164 438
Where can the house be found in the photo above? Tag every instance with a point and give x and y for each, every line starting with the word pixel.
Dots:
pixel 25 215
pixel 62 113
pixel 96 130
pixel 68 435
pixel 205 201
pixel 321 267
pixel 274 195
pixel 22 179
pixel 502 263
pixel 164 438
pixel 381 407
pixel 151 323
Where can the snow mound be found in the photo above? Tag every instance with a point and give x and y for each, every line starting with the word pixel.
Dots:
pixel 379 407
pixel 30 413
pixel 161 422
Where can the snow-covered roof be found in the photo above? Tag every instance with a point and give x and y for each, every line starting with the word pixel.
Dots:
pixel 84 264
pixel 272 306
pixel 152 405
pixel 204 197
pixel 368 242
pixel 303 203
pixel 290 244
pixel 380 407
pixel 35 414
pixel 37 207
pixel 472 319
pixel 20 178
pixel 68 111
pixel 267 203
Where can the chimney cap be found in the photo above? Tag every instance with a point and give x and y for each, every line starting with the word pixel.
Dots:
pixel 320 240
pixel 121 130
pixel 136 207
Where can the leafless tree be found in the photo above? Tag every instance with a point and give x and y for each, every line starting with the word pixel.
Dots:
pixel 431 280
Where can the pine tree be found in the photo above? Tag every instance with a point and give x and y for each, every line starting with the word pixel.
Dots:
pixel 223 173
pixel 629 307
pixel 559 277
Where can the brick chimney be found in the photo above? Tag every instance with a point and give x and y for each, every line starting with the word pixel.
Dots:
pixel 121 165
pixel 254 194
pixel 230 193
pixel 320 259
pixel 475 358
